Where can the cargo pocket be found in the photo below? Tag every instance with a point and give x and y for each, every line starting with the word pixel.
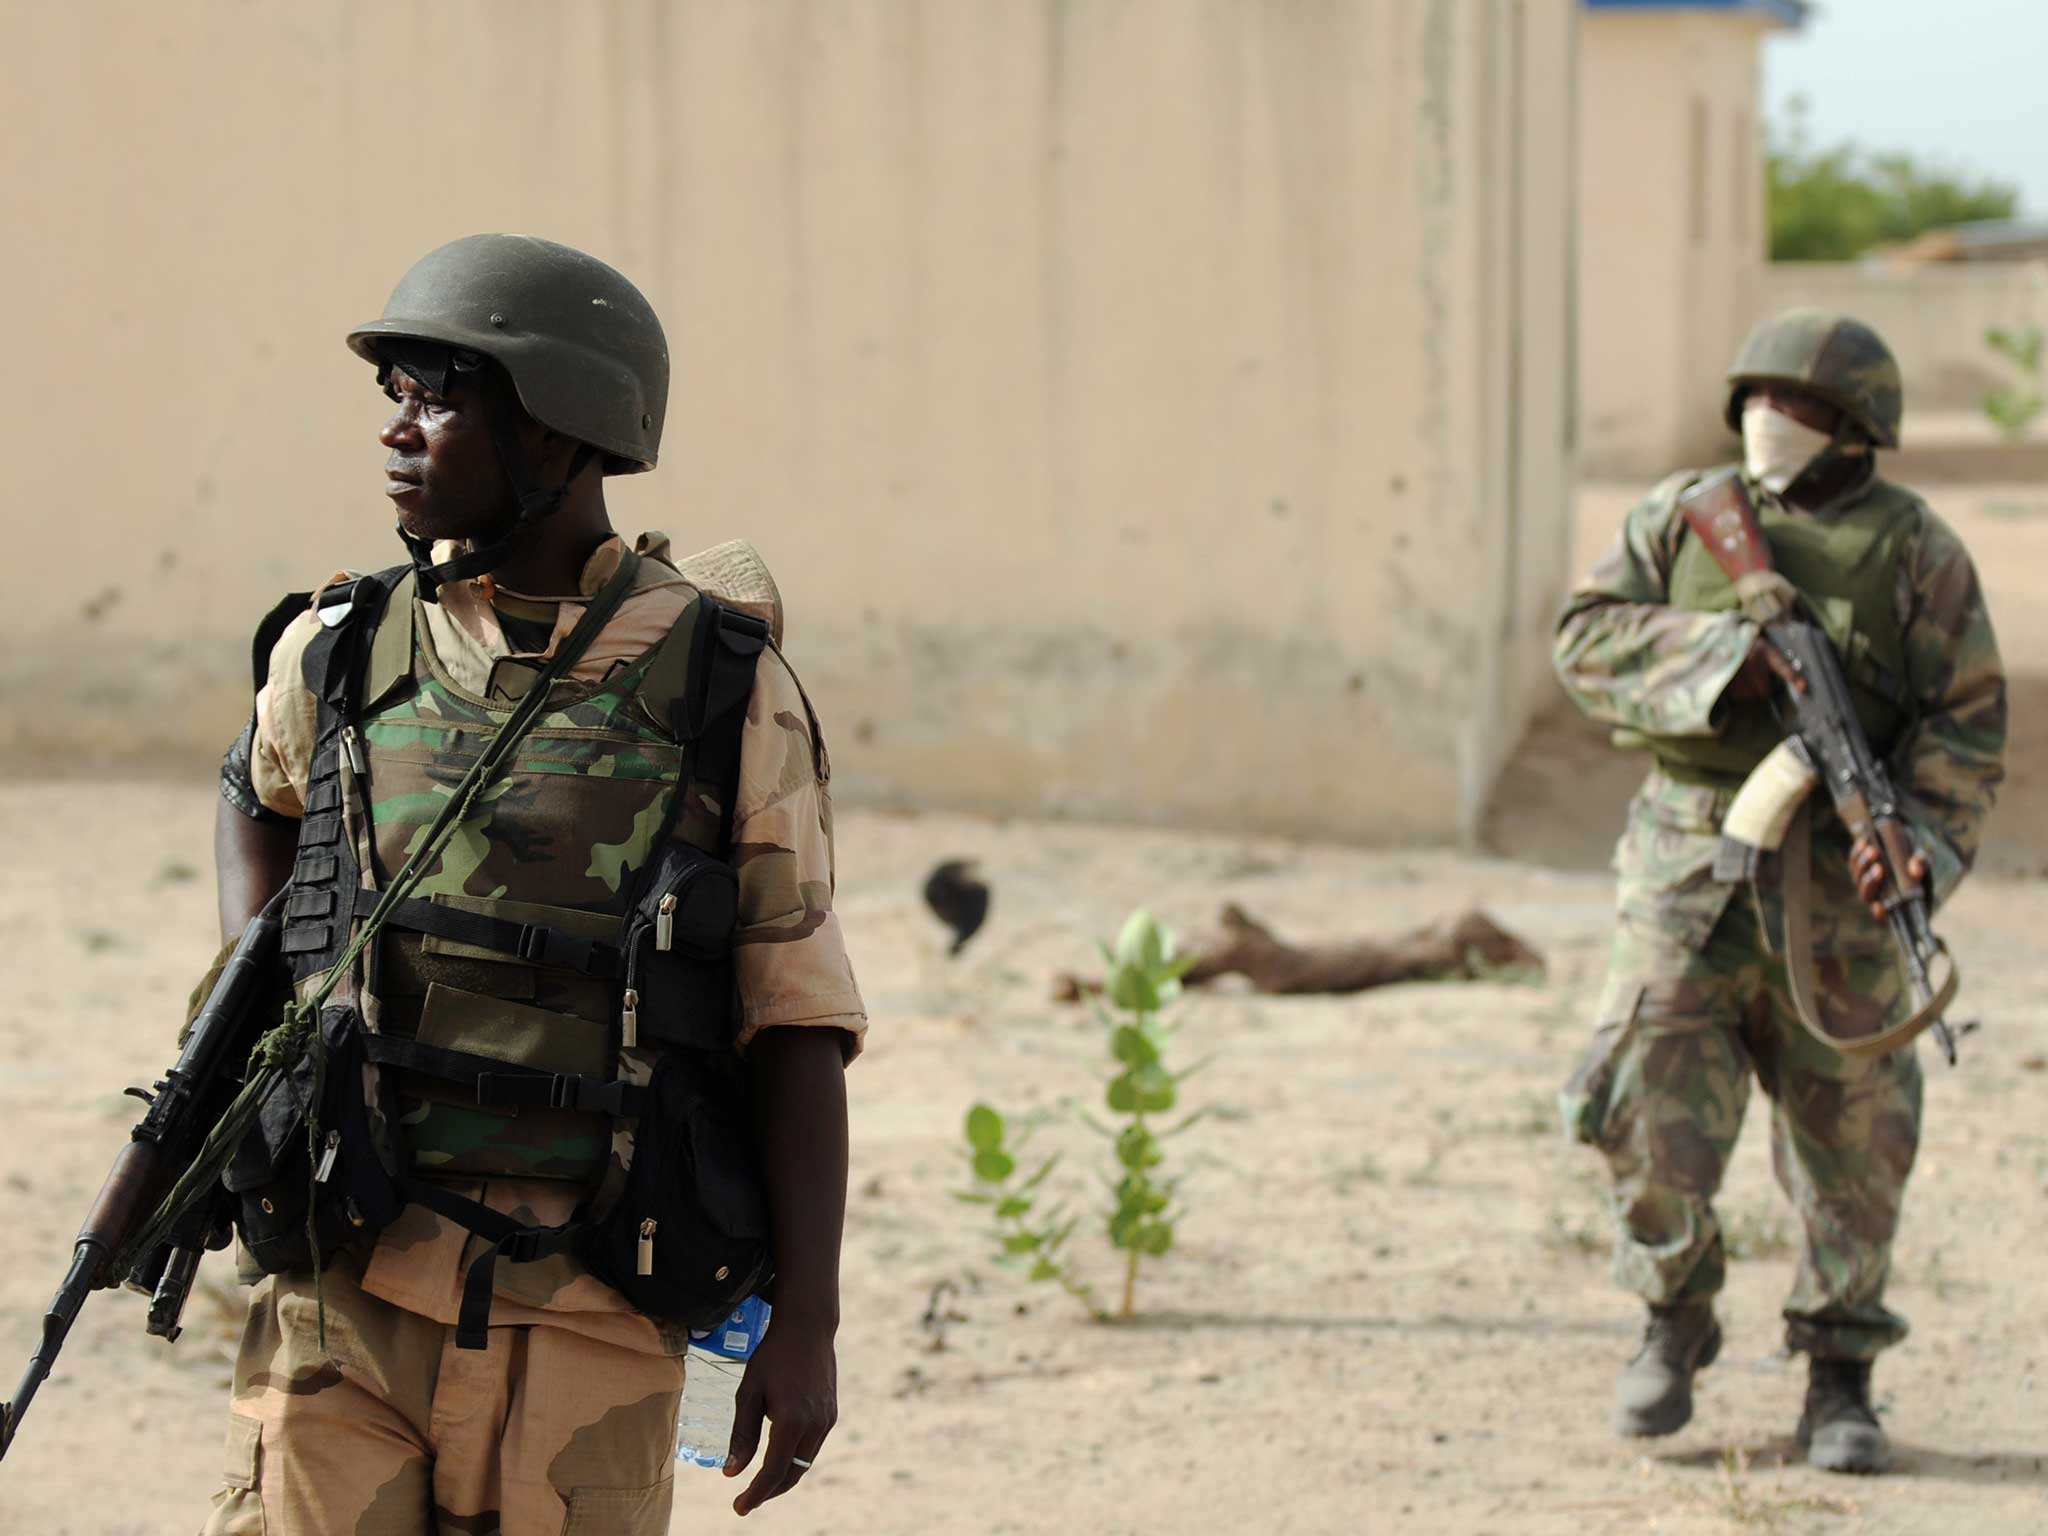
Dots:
pixel 238 1507
pixel 620 1511
pixel 1587 1097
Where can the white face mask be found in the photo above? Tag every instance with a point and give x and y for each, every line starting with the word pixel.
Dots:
pixel 1776 450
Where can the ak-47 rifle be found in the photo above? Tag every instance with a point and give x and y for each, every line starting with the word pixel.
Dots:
pixel 184 1107
pixel 1824 742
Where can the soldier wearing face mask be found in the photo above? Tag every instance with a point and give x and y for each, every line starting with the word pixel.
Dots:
pixel 1696 1004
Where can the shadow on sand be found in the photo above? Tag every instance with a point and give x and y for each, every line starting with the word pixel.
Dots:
pixel 2024 1468
pixel 1441 1322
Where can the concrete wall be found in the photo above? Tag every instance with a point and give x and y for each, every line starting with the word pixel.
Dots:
pixel 1933 317
pixel 1671 198
pixel 1151 407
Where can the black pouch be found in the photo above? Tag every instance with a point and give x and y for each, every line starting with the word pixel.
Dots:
pixel 677 950
pixel 275 1176
pixel 688 1239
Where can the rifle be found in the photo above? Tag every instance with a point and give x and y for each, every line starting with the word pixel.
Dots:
pixel 1824 742
pixel 184 1107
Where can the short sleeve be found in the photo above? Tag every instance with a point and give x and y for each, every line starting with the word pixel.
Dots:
pixel 287 719
pixel 789 952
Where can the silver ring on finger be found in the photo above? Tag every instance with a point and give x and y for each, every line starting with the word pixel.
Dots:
pixel 798 1461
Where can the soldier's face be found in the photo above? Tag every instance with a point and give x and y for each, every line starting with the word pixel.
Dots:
pixel 443 474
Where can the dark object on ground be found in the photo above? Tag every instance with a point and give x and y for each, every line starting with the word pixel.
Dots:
pixel 1653 1395
pixel 1839 1429
pixel 1467 948
pixel 957 899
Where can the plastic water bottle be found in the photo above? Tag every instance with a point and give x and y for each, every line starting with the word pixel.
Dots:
pixel 711 1382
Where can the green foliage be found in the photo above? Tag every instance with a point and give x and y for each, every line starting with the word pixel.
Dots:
pixel 1028 1239
pixel 2013 406
pixel 1835 203
pixel 1143 979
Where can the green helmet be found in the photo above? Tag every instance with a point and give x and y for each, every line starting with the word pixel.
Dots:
pixel 1841 360
pixel 582 346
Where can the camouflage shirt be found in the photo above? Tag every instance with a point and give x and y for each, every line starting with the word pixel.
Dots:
pixel 1632 661
pixel 789 956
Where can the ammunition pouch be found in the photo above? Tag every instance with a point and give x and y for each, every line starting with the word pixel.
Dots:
pixel 306 1178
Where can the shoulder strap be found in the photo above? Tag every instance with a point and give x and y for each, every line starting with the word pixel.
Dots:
pixel 325 872
pixel 697 686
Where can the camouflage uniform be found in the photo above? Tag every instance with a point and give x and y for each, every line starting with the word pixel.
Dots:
pixel 1695 1001
pixel 570 1414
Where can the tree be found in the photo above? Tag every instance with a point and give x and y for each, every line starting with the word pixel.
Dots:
pixel 1834 204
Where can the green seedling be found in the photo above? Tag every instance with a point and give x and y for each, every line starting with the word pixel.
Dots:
pixel 1028 1239
pixel 1143 980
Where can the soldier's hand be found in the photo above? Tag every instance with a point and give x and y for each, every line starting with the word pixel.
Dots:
pixel 792 1379
pixel 1762 669
pixel 1867 869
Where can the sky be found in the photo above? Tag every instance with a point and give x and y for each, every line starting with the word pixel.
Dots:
pixel 1960 81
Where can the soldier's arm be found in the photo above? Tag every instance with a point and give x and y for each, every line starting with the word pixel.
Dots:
pixel 1625 656
pixel 252 861
pixel 1949 762
pixel 801 1020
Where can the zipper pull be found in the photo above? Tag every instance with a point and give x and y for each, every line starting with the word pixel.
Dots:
pixel 629 1033
pixel 328 1153
pixel 645 1266
pixel 665 922
pixel 352 746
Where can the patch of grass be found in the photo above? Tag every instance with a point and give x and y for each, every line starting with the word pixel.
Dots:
pixel 1365 1171
pixel 1749 1507
pixel 1583 1235
pixel 1753 1234
pixel 1536 1116
pixel 97 941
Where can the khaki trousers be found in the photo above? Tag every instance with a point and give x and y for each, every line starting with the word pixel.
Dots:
pixel 393 1431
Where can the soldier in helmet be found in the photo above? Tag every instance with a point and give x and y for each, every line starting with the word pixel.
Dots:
pixel 382 1396
pixel 1696 1003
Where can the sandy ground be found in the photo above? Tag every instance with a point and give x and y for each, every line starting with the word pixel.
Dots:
pixel 1389 1310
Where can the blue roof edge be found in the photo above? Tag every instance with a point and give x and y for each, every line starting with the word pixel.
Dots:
pixel 1787 13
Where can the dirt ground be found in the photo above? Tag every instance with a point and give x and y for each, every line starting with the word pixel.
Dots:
pixel 1389 1309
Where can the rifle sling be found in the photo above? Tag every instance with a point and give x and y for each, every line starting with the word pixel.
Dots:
pixel 1796 895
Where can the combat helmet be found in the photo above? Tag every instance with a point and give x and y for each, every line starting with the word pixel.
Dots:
pixel 578 344
pixel 1841 360
pixel 582 346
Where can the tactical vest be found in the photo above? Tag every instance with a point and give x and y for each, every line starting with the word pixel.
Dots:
pixel 1846 566
pixel 573 935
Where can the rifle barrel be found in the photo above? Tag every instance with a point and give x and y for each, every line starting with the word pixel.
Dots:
pixel 86 1260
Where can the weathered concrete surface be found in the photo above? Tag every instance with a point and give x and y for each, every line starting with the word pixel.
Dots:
pixel 1133 400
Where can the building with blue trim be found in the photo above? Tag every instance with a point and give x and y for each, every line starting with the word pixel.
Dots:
pixel 1790 13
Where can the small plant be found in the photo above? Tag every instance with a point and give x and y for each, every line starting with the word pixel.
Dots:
pixel 1027 1238
pixel 1747 1506
pixel 2012 407
pixel 1143 980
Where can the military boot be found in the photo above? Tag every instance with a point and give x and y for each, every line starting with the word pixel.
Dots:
pixel 1839 1428
pixel 1654 1393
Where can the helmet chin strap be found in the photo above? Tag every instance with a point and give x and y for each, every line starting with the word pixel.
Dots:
pixel 530 503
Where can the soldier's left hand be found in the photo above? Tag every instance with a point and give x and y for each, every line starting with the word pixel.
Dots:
pixel 1866 868
pixel 793 1378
